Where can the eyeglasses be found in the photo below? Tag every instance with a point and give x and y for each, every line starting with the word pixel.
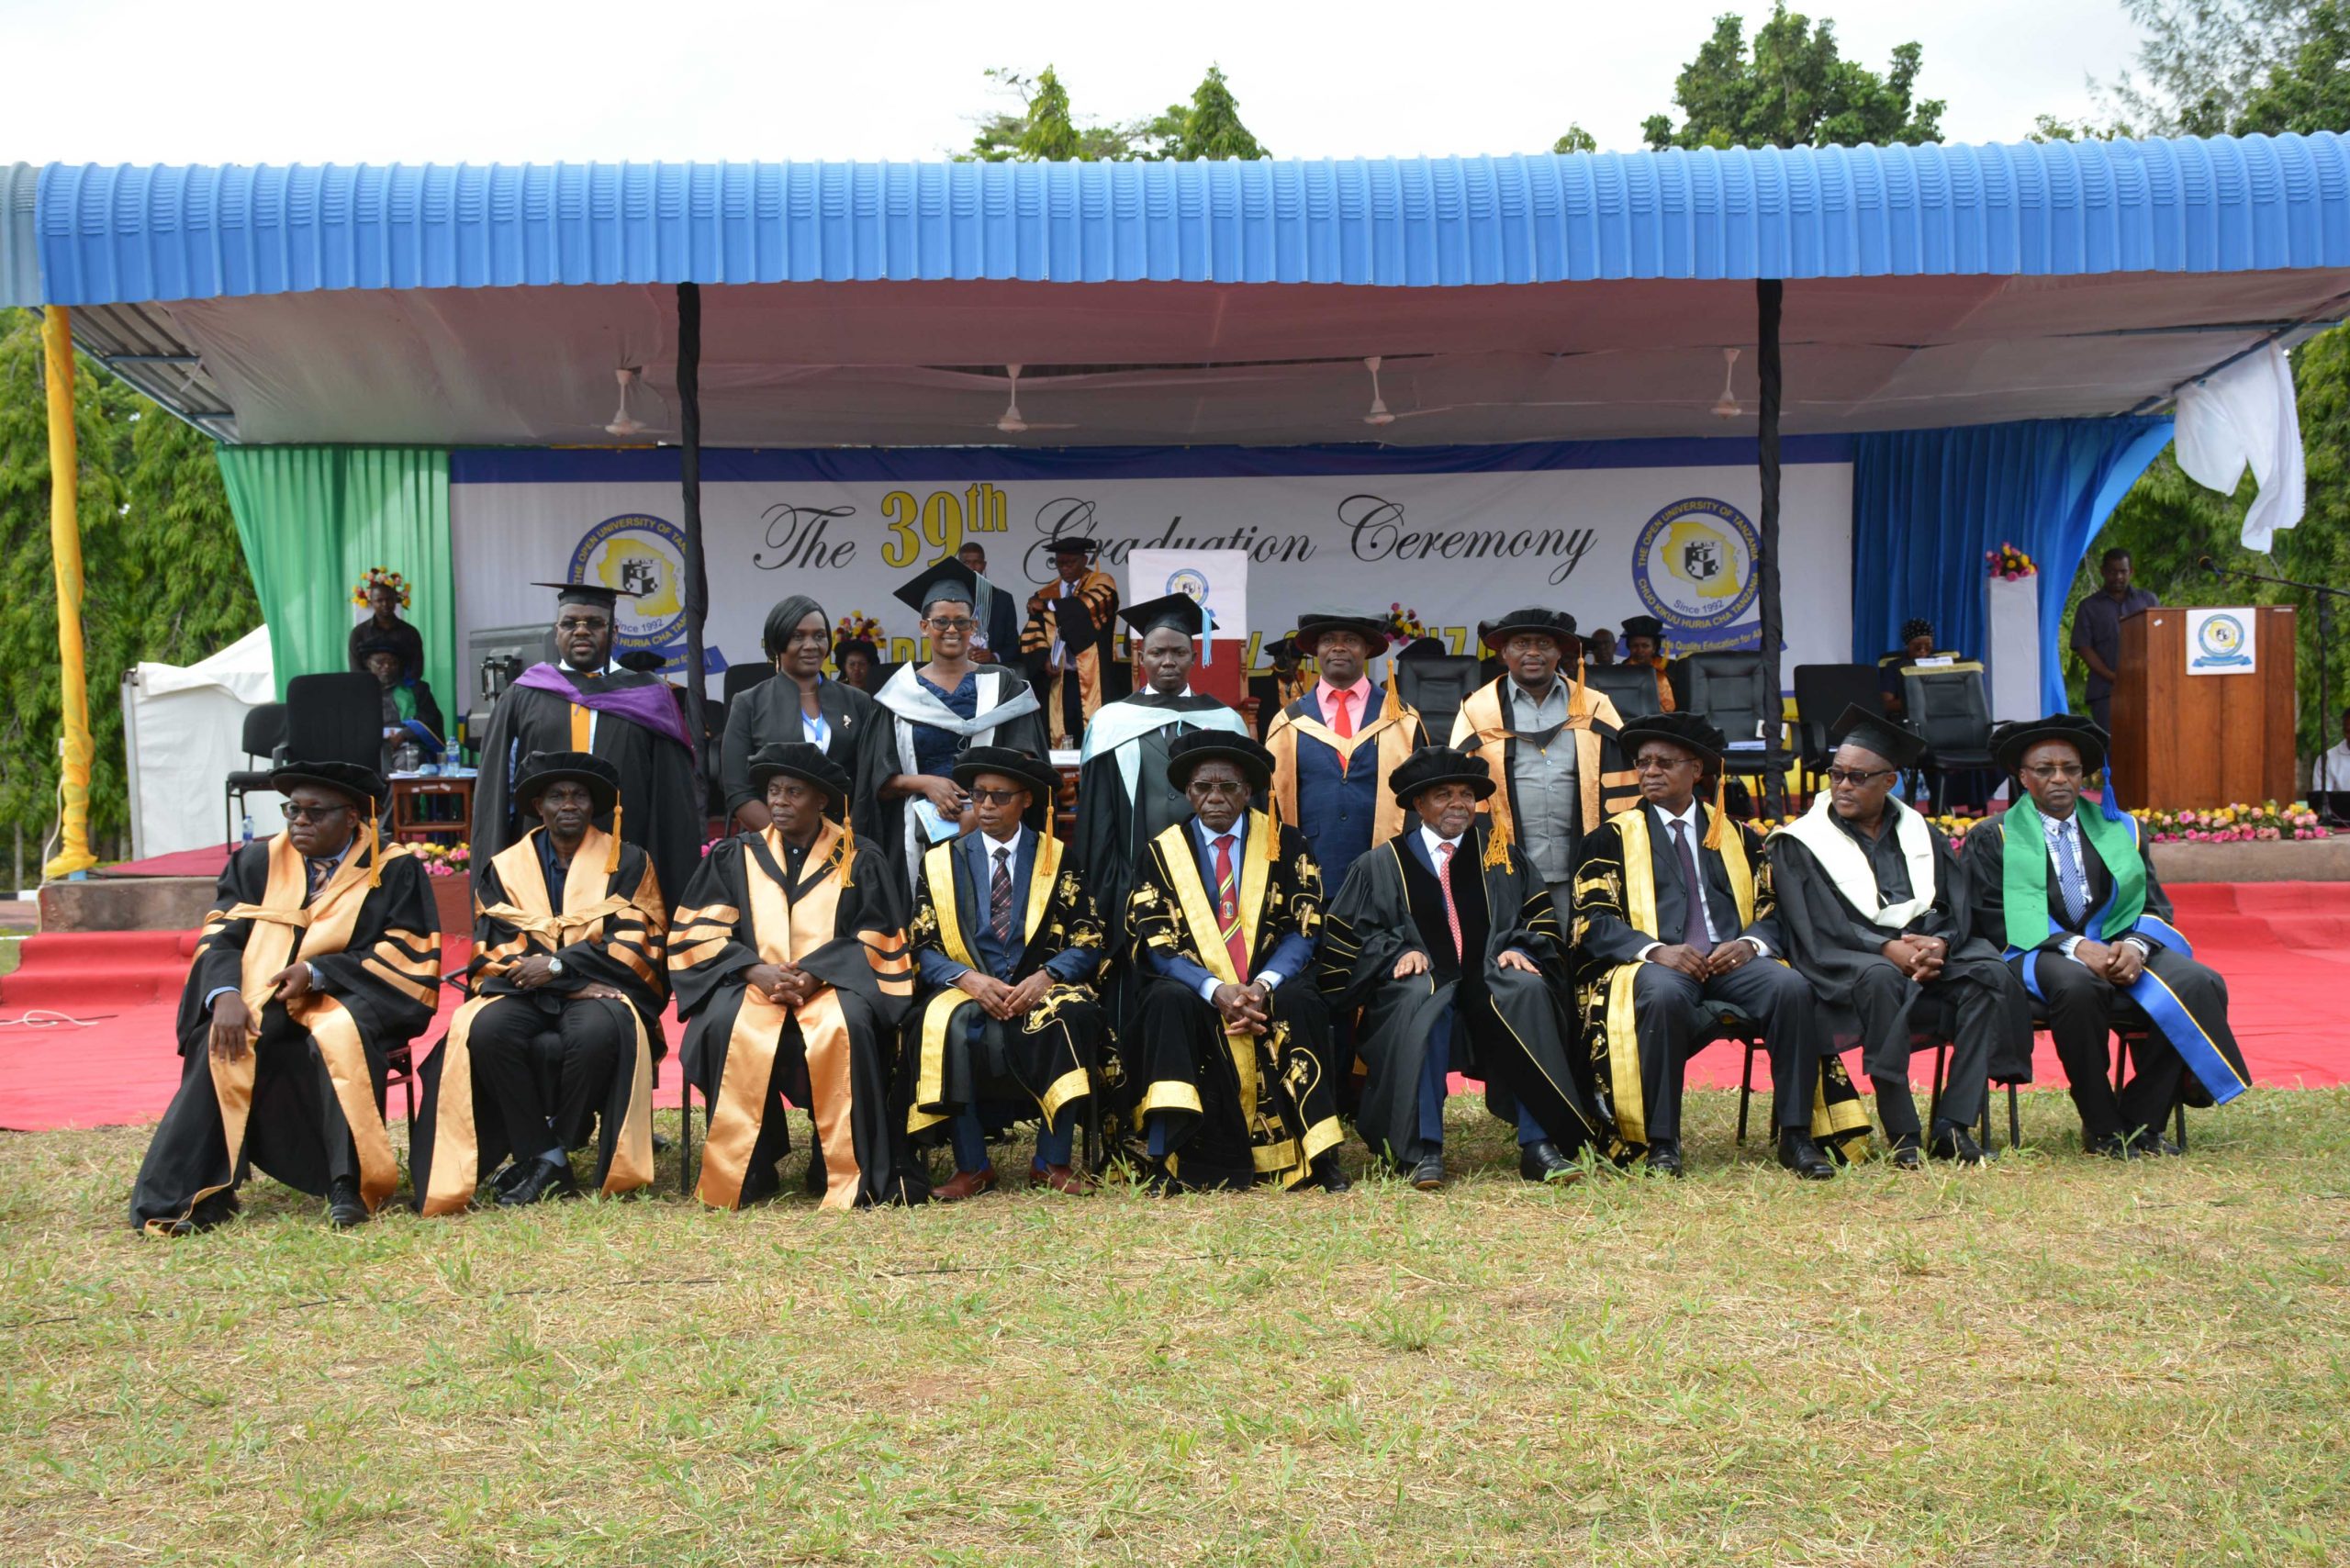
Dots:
pixel 996 797
pixel 2057 770
pixel 1859 775
pixel 295 813
pixel 1661 764
pixel 952 624
pixel 1218 787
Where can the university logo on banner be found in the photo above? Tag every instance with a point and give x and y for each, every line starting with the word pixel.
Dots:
pixel 2218 641
pixel 638 553
pixel 1694 567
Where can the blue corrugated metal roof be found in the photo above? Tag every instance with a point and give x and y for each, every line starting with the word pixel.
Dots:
pixel 19 257
pixel 113 234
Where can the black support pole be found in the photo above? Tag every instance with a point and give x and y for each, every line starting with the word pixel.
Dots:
pixel 1767 294
pixel 696 594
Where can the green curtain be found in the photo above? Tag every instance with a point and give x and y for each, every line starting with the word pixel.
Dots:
pixel 314 519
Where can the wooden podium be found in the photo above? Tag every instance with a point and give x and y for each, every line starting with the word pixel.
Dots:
pixel 2183 740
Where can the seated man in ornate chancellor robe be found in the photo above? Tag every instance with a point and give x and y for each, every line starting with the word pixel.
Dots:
pixel 1228 1059
pixel 789 959
pixel 1447 943
pixel 1005 938
pixel 321 955
pixel 1674 910
pixel 2072 896
pixel 560 1037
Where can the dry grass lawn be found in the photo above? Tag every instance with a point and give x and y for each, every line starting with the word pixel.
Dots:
pixel 2057 1360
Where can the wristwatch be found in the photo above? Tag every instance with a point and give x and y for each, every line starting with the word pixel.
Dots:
pixel 554 967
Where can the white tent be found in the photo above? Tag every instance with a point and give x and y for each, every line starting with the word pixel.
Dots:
pixel 182 732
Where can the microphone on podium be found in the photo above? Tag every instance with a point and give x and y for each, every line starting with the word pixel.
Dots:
pixel 2207 565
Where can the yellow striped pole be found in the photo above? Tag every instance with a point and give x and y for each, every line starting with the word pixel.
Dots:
pixel 66 546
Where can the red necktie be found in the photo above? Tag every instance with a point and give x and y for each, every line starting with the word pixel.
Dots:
pixel 1228 908
pixel 1341 722
pixel 1443 880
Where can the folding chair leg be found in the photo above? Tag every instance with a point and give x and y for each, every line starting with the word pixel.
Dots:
pixel 2179 1115
pixel 1943 1052
pixel 2015 1125
pixel 1745 1089
pixel 684 1136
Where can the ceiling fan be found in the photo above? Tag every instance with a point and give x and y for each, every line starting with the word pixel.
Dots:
pixel 1010 422
pixel 625 424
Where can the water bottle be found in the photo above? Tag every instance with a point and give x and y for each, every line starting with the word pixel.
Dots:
pixel 249 827
pixel 455 765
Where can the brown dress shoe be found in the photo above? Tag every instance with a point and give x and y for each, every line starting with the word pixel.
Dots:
pixel 966 1185
pixel 1060 1178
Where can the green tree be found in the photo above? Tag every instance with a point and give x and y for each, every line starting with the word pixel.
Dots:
pixel 163 576
pixel 1796 89
pixel 2200 61
pixel 1211 126
pixel 1046 127
pixel 1576 139
pixel 2311 90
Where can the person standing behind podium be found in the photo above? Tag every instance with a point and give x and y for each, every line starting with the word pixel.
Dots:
pixel 2096 631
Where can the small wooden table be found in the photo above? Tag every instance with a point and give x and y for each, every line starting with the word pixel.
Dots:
pixel 432 811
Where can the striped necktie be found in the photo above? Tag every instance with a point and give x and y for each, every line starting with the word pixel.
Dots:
pixel 1227 908
pixel 2071 880
pixel 1000 896
pixel 1443 880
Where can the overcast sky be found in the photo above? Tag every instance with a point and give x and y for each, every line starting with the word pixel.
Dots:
pixel 276 81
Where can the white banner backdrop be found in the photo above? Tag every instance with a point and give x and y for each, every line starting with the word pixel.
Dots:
pixel 1600 542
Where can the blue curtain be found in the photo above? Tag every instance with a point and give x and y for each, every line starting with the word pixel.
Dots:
pixel 1928 504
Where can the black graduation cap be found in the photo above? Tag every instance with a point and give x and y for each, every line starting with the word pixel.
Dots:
pixel 1888 738
pixel 949 579
pixel 1070 544
pixel 1181 610
pixel 1643 626
pixel 587 593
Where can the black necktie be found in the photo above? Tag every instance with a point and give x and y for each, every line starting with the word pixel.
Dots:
pixel 1000 896
pixel 1692 923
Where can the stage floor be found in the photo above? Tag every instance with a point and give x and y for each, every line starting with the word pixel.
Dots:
pixel 99 1051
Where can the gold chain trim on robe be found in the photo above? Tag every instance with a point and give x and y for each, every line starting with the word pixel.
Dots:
pixel 781 927
pixel 1175 853
pixel 938 1013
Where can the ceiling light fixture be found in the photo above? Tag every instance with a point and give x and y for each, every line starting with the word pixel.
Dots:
pixel 1727 408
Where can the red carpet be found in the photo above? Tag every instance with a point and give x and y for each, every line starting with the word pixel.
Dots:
pixel 2284 947
pixel 205 862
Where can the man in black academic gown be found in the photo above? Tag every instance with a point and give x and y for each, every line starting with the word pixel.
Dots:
pixel 1070 640
pixel 409 712
pixel 1877 915
pixel 789 958
pixel 1005 937
pixel 904 778
pixel 1457 966
pixel 1648 956
pixel 1227 1061
pixel 565 1021
pixel 2073 895
pixel 588 702
pixel 1123 797
pixel 320 956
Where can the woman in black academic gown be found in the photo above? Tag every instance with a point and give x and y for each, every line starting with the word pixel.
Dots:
pixel 799 704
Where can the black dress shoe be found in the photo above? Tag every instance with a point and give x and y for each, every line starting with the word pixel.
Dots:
pixel 1905 1156
pixel 2149 1146
pixel 815 1182
pixel 544 1179
pixel 2113 1145
pixel 1955 1142
pixel 344 1208
pixel 1664 1157
pixel 760 1182
pixel 215 1210
pixel 1328 1173
pixel 1799 1154
pixel 1541 1162
pixel 1428 1174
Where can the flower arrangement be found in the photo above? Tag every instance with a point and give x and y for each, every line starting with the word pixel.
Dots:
pixel 379 577
pixel 1403 626
pixel 446 859
pixel 2008 563
pixel 2233 824
pixel 858 627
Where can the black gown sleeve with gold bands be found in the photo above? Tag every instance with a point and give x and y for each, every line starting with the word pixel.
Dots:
pixel 841 924
pixel 660 812
pixel 611 930
pixel 952 1048
pixel 1376 919
pixel 1087 623
pixel 1242 1107
pixel 307 1100
pixel 1615 919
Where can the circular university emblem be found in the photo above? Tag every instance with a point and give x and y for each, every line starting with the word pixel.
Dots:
pixel 2221 639
pixel 1190 582
pixel 1693 563
pixel 642 554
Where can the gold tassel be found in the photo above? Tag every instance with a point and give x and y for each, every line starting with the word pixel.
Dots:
pixel 847 852
pixel 1393 707
pixel 1714 829
pixel 1578 697
pixel 1497 845
pixel 375 847
pixel 1274 827
pixel 613 850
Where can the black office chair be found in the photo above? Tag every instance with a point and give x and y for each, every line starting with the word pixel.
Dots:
pixel 335 718
pixel 265 732
pixel 1952 715
pixel 1436 684
pixel 741 677
pixel 1823 693
pixel 1631 688
pixel 1733 692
